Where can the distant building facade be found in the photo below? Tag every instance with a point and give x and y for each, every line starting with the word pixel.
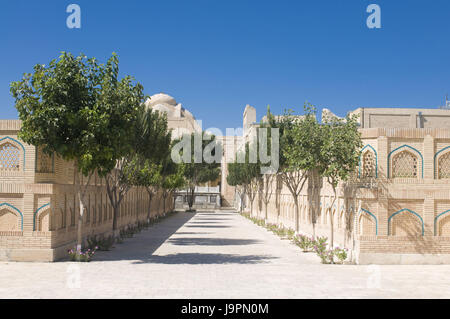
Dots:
pixel 180 121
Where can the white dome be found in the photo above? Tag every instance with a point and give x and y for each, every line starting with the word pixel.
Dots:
pixel 162 98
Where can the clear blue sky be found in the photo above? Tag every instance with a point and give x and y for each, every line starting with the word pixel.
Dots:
pixel 216 56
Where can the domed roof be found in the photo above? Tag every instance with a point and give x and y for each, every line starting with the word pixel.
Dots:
pixel 162 98
pixel 164 108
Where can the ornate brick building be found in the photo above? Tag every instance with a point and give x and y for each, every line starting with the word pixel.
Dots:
pixel 397 210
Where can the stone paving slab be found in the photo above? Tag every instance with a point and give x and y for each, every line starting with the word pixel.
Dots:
pixel 216 255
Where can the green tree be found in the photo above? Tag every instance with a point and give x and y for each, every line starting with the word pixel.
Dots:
pixel 302 153
pixel 153 148
pixel 244 174
pixel 172 178
pixel 340 153
pixel 297 150
pixel 198 169
pixel 149 176
pixel 236 178
pixel 148 141
pixel 252 171
pixel 267 190
pixel 66 108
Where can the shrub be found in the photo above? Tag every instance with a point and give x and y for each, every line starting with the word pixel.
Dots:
pixel 304 242
pixel 290 233
pixel 320 247
pixel 273 228
pixel 340 254
pixel 100 243
pixel 80 255
pixel 105 243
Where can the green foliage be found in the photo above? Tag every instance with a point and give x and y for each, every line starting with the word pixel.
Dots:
pixel 149 146
pixel 81 255
pixel 78 109
pixel 301 141
pixel 101 243
pixel 340 150
pixel 328 256
pixel 341 254
pixel 257 221
pixel 81 111
pixel 199 172
pixel 195 171
pixel 276 229
pixel 172 175
pixel 320 247
pixel 304 242
pixel 245 172
pixel 307 244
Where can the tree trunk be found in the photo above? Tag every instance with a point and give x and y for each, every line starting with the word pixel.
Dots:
pixel 312 212
pixel 330 211
pixel 80 221
pixel 149 212
pixel 278 204
pixel 81 191
pixel 116 210
pixel 265 210
pixel 164 203
pixel 296 217
pixel 172 194
pixel 332 219
pixel 242 202
pixel 191 198
pixel 137 208
pixel 313 204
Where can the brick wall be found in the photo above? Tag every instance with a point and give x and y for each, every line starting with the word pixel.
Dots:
pixel 394 216
pixel 39 211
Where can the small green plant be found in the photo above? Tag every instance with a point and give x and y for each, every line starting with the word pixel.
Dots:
pixel 290 233
pixel 91 242
pixel 105 243
pixel 304 242
pixel 257 221
pixel 100 243
pixel 341 254
pixel 273 228
pixel 81 255
pixel 325 254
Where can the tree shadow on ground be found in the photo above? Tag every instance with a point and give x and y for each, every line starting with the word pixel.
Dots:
pixel 191 233
pixel 140 249
pixel 212 241
pixel 211 219
pixel 148 241
pixel 204 222
pixel 207 226
pixel 215 214
pixel 197 259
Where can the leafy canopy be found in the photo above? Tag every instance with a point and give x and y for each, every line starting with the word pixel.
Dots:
pixel 78 109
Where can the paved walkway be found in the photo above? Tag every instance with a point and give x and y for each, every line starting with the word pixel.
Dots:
pixel 216 255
